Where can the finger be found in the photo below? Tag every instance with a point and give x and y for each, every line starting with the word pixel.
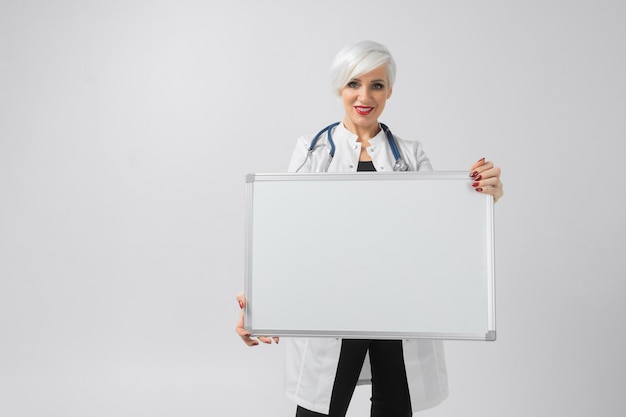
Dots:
pixel 267 340
pixel 241 299
pixel 496 192
pixel 489 182
pixel 477 164
pixel 240 321
pixel 243 333
pixel 245 336
pixel 475 171
pixel 485 171
pixel 492 186
pixel 247 339
pixel 264 339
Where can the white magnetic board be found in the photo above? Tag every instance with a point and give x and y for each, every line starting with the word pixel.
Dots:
pixel 369 255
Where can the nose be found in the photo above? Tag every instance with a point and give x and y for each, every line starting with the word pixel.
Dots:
pixel 363 94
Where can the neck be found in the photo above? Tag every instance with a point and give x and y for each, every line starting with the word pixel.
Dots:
pixel 365 133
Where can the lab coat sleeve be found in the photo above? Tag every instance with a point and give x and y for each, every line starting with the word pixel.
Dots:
pixel 299 161
pixel 423 162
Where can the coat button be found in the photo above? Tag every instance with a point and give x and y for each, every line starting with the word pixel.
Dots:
pixel 382 168
pixel 351 166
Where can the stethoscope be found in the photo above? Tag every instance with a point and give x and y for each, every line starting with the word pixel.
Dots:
pixel 400 164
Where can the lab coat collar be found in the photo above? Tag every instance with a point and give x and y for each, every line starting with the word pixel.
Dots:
pixel 341 133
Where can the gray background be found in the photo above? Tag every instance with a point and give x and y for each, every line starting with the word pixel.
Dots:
pixel 126 131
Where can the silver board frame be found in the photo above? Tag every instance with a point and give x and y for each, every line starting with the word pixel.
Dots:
pixel 369 255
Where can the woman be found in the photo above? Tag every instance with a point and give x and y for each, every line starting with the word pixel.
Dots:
pixel 406 375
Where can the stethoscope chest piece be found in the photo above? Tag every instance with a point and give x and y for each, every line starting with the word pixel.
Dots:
pixel 400 165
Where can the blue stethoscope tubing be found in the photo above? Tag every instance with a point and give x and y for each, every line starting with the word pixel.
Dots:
pixel 400 164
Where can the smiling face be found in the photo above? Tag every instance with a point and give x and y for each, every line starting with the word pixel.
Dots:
pixel 364 99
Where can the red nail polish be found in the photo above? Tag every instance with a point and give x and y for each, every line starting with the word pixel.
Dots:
pixel 481 160
pixel 478 189
pixel 478 178
pixel 473 174
pixel 475 184
pixel 240 304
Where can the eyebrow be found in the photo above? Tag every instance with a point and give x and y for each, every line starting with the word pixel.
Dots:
pixel 373 81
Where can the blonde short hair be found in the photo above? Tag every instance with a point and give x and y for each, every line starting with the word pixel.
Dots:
pixel 357 59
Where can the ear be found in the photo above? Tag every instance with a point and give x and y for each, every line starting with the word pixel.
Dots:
pixel 389 93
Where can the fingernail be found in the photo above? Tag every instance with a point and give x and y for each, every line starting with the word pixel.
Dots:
pixel 240 304
pixel 481 160
pixel 473 174
pixel 478 178
pixel 475 184
pixel 478 189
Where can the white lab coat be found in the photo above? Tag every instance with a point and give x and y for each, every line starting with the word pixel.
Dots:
pixel 311 363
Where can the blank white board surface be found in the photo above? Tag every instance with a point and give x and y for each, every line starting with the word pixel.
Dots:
pixel 369 255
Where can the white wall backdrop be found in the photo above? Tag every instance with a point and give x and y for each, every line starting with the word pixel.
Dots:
pixel 126 131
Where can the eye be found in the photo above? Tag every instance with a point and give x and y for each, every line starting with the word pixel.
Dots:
pixel 378 86
pixel 353 84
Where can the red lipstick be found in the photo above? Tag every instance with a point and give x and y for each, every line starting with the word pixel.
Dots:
pixel 363 110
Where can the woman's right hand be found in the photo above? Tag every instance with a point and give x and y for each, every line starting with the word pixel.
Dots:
pixel 243 333
pixel 487 178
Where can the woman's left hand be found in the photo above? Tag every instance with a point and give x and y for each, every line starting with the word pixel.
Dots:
pixel 486 178
pixel 243 333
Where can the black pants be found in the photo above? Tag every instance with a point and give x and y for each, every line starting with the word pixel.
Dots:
pixel 390 390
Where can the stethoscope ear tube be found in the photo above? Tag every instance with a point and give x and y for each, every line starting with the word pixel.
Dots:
pixel 317 137
pixel 400 164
